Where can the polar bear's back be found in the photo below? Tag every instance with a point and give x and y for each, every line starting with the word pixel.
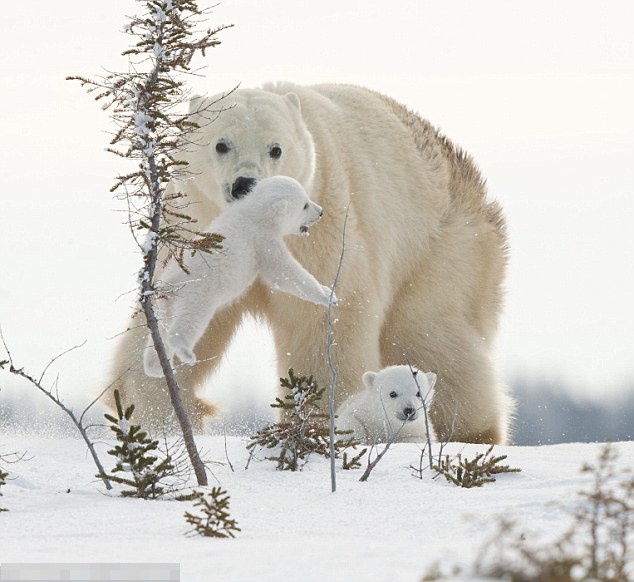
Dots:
pixel 369 120
pixel 424 244
pixel 405 176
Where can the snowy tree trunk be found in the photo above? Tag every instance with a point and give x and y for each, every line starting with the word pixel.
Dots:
pixel 150 131
pixel 147 291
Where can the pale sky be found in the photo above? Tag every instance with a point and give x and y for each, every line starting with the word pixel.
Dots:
pixel 538 92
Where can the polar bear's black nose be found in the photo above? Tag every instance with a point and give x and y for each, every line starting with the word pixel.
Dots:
pixel 242 186
pixel 409 412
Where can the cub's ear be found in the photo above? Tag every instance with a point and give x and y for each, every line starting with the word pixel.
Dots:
pixel 196 103
pixel 293 99
pixel 368 379
pixel 280 206
pixel 431 378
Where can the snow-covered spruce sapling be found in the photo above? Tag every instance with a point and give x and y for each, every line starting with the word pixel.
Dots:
pixel 302 429
pixel 214 519
pixel 144 103
pixel 138 465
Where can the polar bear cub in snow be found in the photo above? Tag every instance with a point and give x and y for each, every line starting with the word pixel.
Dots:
pixel 253 228
pixel 391 403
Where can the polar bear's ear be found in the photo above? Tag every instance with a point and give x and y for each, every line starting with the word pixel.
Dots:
pixel 368 379
pixel 280 206
pixel 431 378
pixel 293 99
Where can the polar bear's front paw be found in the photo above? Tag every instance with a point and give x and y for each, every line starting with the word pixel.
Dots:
pixel 151 363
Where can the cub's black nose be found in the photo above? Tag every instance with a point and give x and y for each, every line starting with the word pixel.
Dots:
pixel 409 412
pixel 242 186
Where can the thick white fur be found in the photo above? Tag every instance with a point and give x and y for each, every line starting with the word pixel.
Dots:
pixel 424 261
pixel 253 229
pixel 389 407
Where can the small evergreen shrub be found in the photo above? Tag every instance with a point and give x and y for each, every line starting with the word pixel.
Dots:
pixel 3 476
pixel 473 472
pixel 136 455
pixel 597 546
pixel 303 429
pixel 214 520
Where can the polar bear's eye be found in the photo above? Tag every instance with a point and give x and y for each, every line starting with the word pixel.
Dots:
pixel 306 206
pixel 275 152
pixel 418 394
pixel 393 394
pixel 222 147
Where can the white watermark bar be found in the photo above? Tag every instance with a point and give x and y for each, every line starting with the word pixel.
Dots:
pixel 90 572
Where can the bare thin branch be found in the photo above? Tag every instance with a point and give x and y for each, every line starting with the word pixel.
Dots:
pixel 77 422
pixel 58 356
pixel 333 370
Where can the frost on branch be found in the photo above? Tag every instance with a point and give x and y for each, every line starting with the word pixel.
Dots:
pixel 143 104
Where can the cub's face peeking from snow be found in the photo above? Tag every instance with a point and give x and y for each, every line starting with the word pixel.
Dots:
pixel 283 203
pixel 262 136
pixel 400 390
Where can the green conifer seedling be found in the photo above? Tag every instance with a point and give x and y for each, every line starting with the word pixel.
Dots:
pixel 135 454
pixel 215 521
pixel 303 428
pixel 473 472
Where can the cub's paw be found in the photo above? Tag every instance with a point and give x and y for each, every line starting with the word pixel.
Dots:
pixel 185 354
pixel 327 292
pixel 151 363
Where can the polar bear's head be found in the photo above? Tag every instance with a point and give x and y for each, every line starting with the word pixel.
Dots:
pixel 257 134
pixel 283 204
pixel 400 390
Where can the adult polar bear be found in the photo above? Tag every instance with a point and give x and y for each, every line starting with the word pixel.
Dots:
pixel 424 261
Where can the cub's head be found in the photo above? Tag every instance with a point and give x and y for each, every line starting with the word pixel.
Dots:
pixel 254 134
pixel 283 203
pixel 400 390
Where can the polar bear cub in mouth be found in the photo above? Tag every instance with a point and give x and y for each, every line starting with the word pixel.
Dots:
pixel 253 229
pixel 389 406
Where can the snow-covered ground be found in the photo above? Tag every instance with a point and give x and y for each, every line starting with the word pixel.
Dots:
pixel 391 528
